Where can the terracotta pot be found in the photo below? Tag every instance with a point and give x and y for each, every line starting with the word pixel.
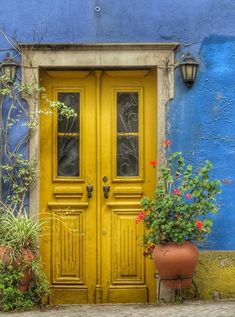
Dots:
pixel 27 257
pixel 5 255
pixel 176 263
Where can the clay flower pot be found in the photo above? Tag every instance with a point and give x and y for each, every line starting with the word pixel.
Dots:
pixel 176 263
pixel 26 257
pixel 5 255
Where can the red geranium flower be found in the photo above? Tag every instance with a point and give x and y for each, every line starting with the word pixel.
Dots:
pixel 177 192
pixel 140 217
pixel 199 224
pixel 152 247
pixel 153 163
pixel 167 142
pixel 188 196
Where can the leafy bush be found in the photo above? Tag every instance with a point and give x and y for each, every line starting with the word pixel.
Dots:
pixel 11 298
pixel 182 204
pixel 18 234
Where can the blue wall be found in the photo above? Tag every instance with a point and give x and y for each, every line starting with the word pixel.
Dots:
pixel 187 22
pixel 202 118
pixel 203 126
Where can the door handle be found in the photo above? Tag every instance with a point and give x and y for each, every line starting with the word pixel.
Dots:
pixel 106 190
pixel 89 189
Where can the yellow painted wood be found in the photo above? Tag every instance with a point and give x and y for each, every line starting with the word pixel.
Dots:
pixel 128 192
pixel 67 74
pixel 91 247
pixel 127 73
pixel 68 192
pixel 68 247
pixel 126 275
pixel 69 295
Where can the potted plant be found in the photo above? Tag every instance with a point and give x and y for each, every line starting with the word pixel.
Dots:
pixel 23 282
pixel 178 215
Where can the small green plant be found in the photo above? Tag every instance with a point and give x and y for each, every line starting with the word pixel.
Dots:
pixel 19 231
pixel 182 204
pixel 11 298
pixel 20 253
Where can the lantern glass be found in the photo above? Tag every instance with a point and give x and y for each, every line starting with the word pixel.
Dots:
pixel 8 68
pixel 189 69
pixel 9 71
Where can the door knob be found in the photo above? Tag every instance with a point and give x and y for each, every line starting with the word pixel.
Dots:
pixel 106 190
pixel 89 189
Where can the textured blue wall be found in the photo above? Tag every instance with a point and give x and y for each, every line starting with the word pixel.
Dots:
pixel 118 21
pixel 202 118
pixel 203 127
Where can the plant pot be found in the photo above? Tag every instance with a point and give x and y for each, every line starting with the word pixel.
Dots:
pixel 176 263
pixel 26 258
pixel 5 255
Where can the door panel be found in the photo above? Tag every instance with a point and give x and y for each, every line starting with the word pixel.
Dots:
pixel 91 245
pixel 129 143
pixel 68 245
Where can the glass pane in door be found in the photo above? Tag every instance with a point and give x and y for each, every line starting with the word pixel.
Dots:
pixel 68 137
pixel 127 159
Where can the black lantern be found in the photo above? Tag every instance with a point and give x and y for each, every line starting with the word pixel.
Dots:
pixel 8 67
pixel 188 68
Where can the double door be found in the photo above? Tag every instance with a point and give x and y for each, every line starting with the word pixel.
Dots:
pixel 94 170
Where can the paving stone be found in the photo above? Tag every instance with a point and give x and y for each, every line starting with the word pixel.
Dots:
pixel 192 309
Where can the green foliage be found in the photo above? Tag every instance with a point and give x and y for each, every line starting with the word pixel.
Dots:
pixel 18 174
pixel 19 232
pixel 182 204
pixel 18 171
pixel 11 298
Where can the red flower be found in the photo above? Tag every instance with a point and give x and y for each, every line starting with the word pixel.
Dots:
pixel 188 196
pixel 153 163
pixel 167 142
pixel 177 192
pixel 140 217
pixel 151 248
pixel 199 224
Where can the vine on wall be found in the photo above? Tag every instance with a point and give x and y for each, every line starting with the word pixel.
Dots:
pixel 19 233
pixel 17 124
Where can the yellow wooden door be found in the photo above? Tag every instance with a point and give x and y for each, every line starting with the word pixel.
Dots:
pixel 91 245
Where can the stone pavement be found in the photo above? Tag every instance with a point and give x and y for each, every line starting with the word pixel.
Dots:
pixel 192 309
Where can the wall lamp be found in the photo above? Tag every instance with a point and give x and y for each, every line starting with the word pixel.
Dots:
pixel 8 68
pixel 188 67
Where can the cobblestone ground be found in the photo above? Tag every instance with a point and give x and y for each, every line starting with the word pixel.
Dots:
pixel 195 309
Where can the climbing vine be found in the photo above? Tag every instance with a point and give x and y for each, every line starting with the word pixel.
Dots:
pixel 18 171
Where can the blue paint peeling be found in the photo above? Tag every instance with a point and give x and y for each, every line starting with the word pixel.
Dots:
pixel 202 119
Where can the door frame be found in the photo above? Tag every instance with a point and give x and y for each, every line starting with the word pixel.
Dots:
pixel 98 56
